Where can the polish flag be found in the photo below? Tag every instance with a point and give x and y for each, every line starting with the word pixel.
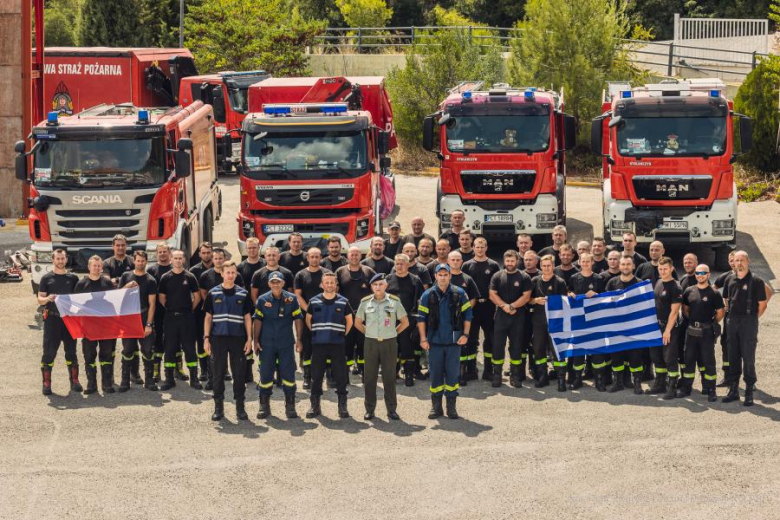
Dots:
pixel 102 315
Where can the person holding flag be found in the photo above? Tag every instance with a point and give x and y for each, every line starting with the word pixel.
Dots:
pixel 543 286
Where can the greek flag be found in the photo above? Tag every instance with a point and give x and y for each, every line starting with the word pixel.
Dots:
pixel 610 322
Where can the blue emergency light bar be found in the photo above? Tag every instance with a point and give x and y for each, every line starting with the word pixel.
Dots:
pixel 529 94
pixel 466 95
pixel 714 93
pixel 625 94
pixel 276 110
pixel 51 118
pixel 305 108
pixel 336 108
pixel 143 116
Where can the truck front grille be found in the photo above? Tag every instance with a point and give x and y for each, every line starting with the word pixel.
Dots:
pixel 498 182
pixel 304 196
pixel 678 187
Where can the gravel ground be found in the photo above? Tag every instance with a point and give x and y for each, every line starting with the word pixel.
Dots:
pixel 515 451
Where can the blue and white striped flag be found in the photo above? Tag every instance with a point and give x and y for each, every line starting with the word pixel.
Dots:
pixel 610 322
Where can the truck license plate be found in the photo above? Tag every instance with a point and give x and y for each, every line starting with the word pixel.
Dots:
pixel 674 225
pixel 498 218
pixel 278 228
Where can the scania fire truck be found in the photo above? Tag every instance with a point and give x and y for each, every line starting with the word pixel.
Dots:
pixel 313 151
pixel 668 151
pixel 228 93
pixel 501 155
pixel 147 173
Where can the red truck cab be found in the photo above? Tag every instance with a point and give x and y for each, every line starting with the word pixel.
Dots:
pixel 668 151
pixel 502 158
pixel 314 166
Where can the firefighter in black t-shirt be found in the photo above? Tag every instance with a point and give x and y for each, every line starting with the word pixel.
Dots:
pixel 649 270
pixel 178 293
pixel 542 286
pixel 395 241
pixel 746 297
pixel 481 269
pixel 559 235
pixel 57 281
pixel 147 288
pixel 252 264
pixel 415 267
pixel 163 265
pixel 120 263
pixel 688 279
pixel 307 285
pixel 633 356
pixel 294 259
pixel 598 249
pixel 409 289
pixel 466 241
pixel 206 255
pixel 704 309
pixel 668 299
pixel 354 281
pixel 457 218
pixel 418 233
pixel 510 290
pixel 376 258
pixel 460 279
pixel 97 352
pixel 259 282
pixel 589 284
pixel 565 268
pixel 335 259
pixel 720 282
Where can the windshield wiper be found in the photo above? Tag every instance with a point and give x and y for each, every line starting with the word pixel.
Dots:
pixel 335 168
pixel 281 166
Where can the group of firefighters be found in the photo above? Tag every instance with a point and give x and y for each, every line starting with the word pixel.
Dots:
pixel 413 303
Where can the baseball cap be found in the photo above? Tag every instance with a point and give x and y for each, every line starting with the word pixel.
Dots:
pixel 394 225
pixel 440 267
pixel 276 276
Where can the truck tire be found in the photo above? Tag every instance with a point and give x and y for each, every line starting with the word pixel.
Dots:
pixel 560 195
pixel 722 258
pixel 438 205
pixel 208 225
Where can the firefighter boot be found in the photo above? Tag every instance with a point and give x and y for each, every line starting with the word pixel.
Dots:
pixel 497 377
pixel 733 394
pixel 521 370
pixel 135 370
pixel 241 411
pixel 471 370
pixel 107 378
pixel 149 383
pixel 659 385
pixel 599 375
pixel 452 412
pixel 577 383
pixel 712 394
pixel 626 376
pixel 436 406
pixel 671 391
pixel 91 380
pixel 219 408
pixel 561 375
pixel 75 386
pixel 180 374
pixel 46 374
pixel 157 368
pixel 343 413
pixel 170 381
pixel 541 377
pixel 748 395
pixel 462 380
pixel 194 383
pixel 684 388
pixel 514 376
pixel 307 377
pixel 124 384
pixel 289 406
pixel 315 409
pixel 617 383
pixel 265 406
pixel 204 368
pixel 409 373
pixel 590 373
pixel 487 371
pixel 638 384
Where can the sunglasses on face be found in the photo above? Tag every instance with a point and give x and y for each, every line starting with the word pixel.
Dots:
pixel 701 273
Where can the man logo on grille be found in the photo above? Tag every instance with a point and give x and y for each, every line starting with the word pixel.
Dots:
pixel 305 196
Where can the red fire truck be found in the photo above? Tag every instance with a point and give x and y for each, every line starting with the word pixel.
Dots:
pixel 313 151
pixel 77 78
pixel 667 151
pixel 149 174
pixel 502 158
pixel 227 92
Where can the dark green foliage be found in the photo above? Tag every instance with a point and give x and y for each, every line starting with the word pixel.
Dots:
pixel 757 98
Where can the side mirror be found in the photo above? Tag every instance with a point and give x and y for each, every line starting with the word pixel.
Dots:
pixel 20 161
pixel 383 143
pixel 227 146
pixel 218 98
pixel 596 136
pixel 569 132
pixel 185 144
pixel 384 163
pixel 746 133
pixel 183 162
pixel 427 143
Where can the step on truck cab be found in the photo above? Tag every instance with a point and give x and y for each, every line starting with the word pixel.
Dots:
pixel 147 173
pixel 668 151
pixel 313 151
pixel 228 94
pixel 502 158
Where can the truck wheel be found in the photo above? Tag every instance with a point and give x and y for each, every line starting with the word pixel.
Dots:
pixel 607 236
pixel 722 258
pixel 560 194
pixel 378 218
pixel 208 225
pixel 438 204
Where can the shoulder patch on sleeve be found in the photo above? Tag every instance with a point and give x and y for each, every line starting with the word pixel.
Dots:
pixel 366 298
pixel 394 297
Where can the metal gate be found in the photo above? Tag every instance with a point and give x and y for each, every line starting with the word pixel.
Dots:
pixel 723 33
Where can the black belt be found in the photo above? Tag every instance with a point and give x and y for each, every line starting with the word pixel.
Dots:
pixel 178 314
pixel 482 300
pixel 699 324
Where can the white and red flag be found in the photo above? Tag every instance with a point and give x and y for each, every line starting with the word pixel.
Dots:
pixel 102 315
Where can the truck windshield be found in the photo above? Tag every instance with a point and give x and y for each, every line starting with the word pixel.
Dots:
pixel 306 155
pixel 109 163
pixel 498 134
pixel 667 136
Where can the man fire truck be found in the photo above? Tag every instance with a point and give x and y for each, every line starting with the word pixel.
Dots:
pixel 668 150
pixel 313 151
pixel 149 174
pixel 228 93
pixel 502 158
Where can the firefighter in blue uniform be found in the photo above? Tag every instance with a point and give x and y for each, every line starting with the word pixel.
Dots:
pixel 444 322
pixel 276 313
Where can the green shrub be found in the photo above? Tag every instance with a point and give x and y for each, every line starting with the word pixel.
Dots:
pixel 757 98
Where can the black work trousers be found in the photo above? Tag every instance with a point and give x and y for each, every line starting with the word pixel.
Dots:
pixel 482 319
pixel 54 333
pixel 222 348
pixel 319 363
pixel 98 352
pixel 130 348
pixel 666 358
pixel 353 346
pixel 700 350
pixel 180 330
pixel 742 342
pixel 510 328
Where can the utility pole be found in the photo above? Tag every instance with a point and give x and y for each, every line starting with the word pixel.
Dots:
pixel 181 24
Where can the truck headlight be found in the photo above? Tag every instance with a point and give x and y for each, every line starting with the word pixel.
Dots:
pixel 361 228
pixel 620 225
pixel 445 218
pixel 151 255
pixel 247 228
pixel 546 220
pixel 41 257
pixel 723 227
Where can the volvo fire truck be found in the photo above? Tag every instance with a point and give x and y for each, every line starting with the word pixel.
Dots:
pixel 313 151
pixel 147 173
pixel 668 150
pixel 502 158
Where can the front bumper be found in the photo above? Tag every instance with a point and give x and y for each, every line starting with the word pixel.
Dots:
pixel 536 218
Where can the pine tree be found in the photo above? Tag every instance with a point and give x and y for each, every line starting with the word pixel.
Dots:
pixel 113 23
